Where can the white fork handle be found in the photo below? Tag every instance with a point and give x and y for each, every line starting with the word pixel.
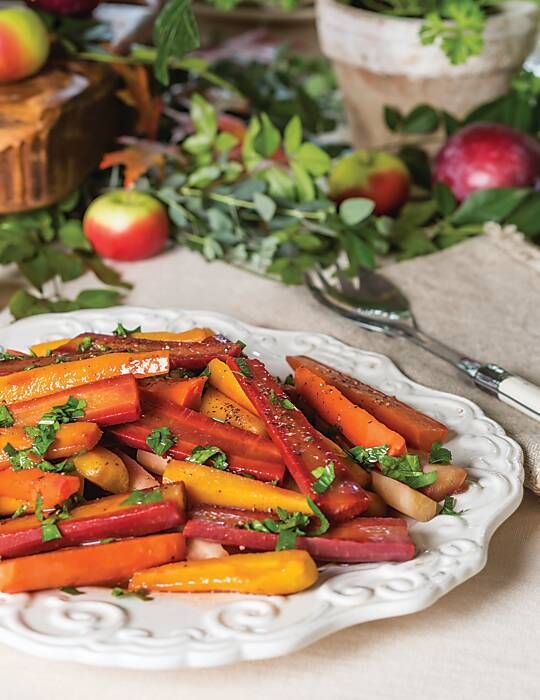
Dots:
pixel 521 394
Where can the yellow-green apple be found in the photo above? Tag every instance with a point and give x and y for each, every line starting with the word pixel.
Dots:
pixel 24 44
pixel 65 8
pixel 485 155
pixel 376 175
pixel 126 225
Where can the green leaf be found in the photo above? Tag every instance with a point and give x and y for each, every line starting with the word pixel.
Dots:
pixel 6 417
pixel 421 120
pixel 280 183
pixel 268 138
pixel 98 298
pixel 225 141
pixel 417 162
pixel 325 477
pixel 265 206
pixel 526 217
pixel 72 235
pixel 161 440
pixel 67 265
pixel 175 34
pixel 392 118
pixel 313 159
pixel 139 498
pixel 358 251
pixel 292 136
pixel 445 198
pixel 203 116
pixel 489 205
pixel 122 332
pixel 408 470
pixel 449 507
pixel 418 213
pixel 355 210
pixel 23 304
pixel 439 454
pixel 38 269
pixel 368 455
pixel 104 273
pixel 209 453
pixel 204 176
pixel 304 184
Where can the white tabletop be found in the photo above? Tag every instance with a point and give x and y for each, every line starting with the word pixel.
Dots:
pixel 482 640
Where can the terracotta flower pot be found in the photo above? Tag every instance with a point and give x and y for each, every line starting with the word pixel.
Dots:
pixel 296 28
pixel 379 60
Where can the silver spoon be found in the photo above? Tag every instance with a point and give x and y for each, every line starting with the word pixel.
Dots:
pixel 376 304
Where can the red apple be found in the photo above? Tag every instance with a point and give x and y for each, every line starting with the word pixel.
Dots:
pixel 486 155
pixel 65 8
pixel 375 175
pixel 24 44
pixel 126 225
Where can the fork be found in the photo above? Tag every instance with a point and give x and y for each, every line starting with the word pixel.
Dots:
pixel 377 304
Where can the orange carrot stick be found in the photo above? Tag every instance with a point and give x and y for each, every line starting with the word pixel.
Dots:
pixel 358 426
pixel 71 438
pixel 51 379
pixel 27 484
pixel 95 565
pixel 186 393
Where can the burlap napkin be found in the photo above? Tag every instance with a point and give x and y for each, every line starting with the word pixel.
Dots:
pixel 482 297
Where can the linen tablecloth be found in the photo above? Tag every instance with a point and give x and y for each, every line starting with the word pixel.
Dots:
pixel 483 638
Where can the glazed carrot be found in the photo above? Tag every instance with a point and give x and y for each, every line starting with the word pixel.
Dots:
pixel 403 498
pixel 271 573
pixel 420 431
pixel 103 468
pixel 192 335
pixel 132 521
pixel 27 484
pixel 182 392
pixel 220 407
pixel 101 506
pixel 187 354
pixel 207 485
pixel 299 443
pixel 358 426
pixel 108 402
pixel 136 434
pixel 8 506
pixel 71 438
pixel 399 548
pixel 51 379
pixel 44 349
pixel 95 565
pixel 222 378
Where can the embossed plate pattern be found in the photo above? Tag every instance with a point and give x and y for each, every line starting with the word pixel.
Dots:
pixel 209 630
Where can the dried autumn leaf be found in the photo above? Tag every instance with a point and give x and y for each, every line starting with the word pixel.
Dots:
pixel 137 94
pixel 138 158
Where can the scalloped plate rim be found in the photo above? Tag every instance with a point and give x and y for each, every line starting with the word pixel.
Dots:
pixel 257 648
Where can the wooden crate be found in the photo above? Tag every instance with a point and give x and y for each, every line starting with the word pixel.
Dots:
pixel 54 128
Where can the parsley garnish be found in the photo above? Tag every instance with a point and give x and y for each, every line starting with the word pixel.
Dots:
pixel 325 477
pixel 288 404
pixel 42 436
pixel 448 507
pixel 288 527
pixel 202 454
pixel 66 413
pixel 21 510
pixel 19 459
pixel 243 367
pixel 6 417
pixel 408 470
pixel 160 440
pixel 439 454
pixel 66 466
pixel 324 525
pixel 106 540
pixel 49 528
pixel 8 356
pixel 273 397
pixel 284 403
pixel 289 380
pixel 32 366
pixel 241 344
pixel 85 344
pixel 139 498
pixel 140 593
pixel 205 372
pixel 71 590
pixel 122 332
pixel 58 359
pixel 367 456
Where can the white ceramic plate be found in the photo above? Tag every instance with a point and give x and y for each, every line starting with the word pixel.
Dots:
pixel 176 631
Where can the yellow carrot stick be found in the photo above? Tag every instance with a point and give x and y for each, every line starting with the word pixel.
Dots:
pixel 222 378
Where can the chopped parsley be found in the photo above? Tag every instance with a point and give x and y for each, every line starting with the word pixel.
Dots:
pixel 324 525
pixel 19 459
pixel 49 528
pixel 439 454
pixel 58 359
pixel 140 593
pixel 276 401
pixel 241 344
pixel 139 498
pixel 448 507
pixel 368 456
pixel 4 356
pixel 42 436
pixel 289 380
pixel 244 367
pixel 85 344
pixel 205 372
pixel 160 440
pixel 408 470
pixel 325 477
pixel 66 466
pixel 122 332
pixel 32 366
pixel 71 590
pixel 106 540
pixel 6 417
pixel 21 510
pixel 202 454
pixel 66 413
